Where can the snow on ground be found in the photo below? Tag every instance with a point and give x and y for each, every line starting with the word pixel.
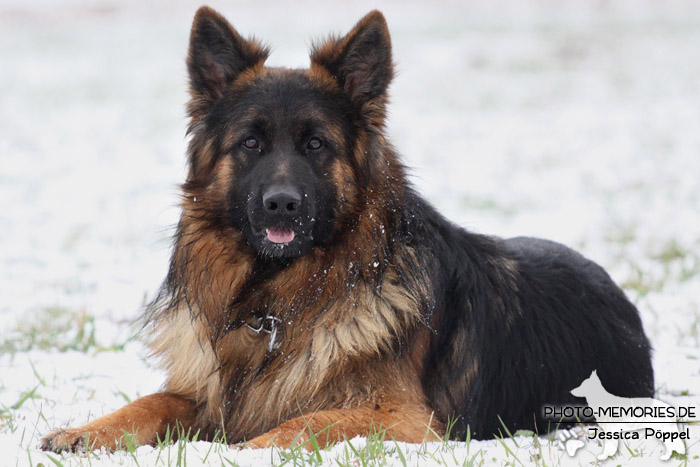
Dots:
pixel 575 121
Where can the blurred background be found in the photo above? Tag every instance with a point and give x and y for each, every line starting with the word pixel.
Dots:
pixel 577 121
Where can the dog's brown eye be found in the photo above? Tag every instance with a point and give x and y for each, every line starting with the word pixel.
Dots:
pixel 314 144
pixel 251 143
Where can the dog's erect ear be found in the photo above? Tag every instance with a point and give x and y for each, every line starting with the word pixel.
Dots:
pixel 218 54
pixel 360 61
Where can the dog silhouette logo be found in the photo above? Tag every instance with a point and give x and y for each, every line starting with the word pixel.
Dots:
pixel 628 418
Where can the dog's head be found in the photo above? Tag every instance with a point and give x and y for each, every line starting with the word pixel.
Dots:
pixel 283 155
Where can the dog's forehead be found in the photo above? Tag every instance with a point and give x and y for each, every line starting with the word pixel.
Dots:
pixel 285 95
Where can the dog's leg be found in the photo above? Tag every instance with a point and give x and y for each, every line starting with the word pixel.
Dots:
pixel 413 424
pixel 146 418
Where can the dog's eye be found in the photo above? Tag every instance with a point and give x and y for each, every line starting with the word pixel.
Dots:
pixel 251 143
pixel 314 144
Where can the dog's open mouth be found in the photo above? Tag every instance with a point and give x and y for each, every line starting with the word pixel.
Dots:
pixel 279 234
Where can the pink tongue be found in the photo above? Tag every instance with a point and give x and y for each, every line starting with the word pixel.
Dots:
pixel 280 235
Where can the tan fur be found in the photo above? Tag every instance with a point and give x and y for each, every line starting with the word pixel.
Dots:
pixel 205 158
pixel 213 265
pixel 317 348
pixel 181 342
pixel 147 418
pixel 333 426
pixel 224 173
pixel 366 328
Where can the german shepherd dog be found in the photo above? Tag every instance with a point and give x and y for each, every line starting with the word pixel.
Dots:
pixel 311 289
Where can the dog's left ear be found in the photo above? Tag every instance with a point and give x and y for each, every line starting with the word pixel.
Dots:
pixel 361 61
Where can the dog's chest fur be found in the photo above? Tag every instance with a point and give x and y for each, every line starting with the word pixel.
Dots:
pixel 241 381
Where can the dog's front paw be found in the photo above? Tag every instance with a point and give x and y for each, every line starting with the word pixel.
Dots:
pixel 64 439
pixel 245 445
pixel 258 442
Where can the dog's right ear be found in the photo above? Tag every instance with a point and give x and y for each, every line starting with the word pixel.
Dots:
pixel 218 55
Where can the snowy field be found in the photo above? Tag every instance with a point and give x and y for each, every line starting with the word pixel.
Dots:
pixel 575 121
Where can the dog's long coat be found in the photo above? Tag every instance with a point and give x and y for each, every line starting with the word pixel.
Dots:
pixel 311 288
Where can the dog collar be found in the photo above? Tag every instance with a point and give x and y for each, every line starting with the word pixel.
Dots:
pixel 269 325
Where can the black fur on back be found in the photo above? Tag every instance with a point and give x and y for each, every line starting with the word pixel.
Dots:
pixel 518 323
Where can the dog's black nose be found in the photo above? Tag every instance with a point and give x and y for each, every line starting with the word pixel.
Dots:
pixel 282 199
